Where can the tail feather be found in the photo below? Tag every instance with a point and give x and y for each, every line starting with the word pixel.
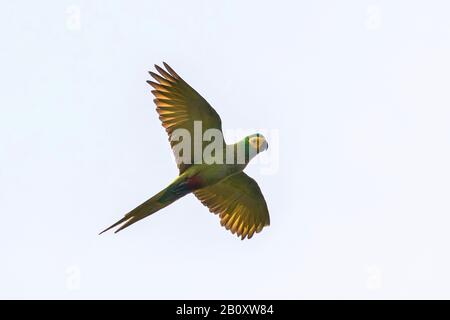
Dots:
pixel 145 209
pixel 155 203
pixel 115 224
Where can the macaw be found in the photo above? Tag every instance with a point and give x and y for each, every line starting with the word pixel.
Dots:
pixel 223 187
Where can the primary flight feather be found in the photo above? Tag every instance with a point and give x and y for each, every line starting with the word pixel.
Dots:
pixel 217 179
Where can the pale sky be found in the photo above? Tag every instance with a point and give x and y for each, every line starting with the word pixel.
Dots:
pixel 353 97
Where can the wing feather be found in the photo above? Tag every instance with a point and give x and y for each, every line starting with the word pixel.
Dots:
pixel 179 105
pixel 239 202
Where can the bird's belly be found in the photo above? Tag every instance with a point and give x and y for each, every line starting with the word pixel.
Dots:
pixel 206 175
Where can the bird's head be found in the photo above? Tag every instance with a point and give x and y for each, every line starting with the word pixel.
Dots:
pixel 257 143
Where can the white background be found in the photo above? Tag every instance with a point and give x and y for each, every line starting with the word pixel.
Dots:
pixel 357 90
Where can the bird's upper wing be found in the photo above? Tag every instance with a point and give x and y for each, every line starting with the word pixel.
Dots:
pixel 239 202
pixel 179 105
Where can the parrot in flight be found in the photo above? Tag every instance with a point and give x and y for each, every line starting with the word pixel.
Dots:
pixel 222 187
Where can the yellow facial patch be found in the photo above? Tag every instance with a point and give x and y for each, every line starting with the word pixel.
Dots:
pixel 257 143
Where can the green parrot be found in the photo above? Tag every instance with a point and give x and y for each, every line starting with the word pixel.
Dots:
pixel 223 187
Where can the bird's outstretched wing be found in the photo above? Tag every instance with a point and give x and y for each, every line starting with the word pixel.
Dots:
pixel 239 202
pixel 178 106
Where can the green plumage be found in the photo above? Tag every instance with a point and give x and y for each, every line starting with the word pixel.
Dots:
pixel 224 188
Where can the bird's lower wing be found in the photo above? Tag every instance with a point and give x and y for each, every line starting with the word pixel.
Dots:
pixel 239 203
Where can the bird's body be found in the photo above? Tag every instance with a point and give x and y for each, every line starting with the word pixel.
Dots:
pixel 216 178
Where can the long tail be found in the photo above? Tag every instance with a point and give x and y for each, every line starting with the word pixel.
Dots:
pixel 162 199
